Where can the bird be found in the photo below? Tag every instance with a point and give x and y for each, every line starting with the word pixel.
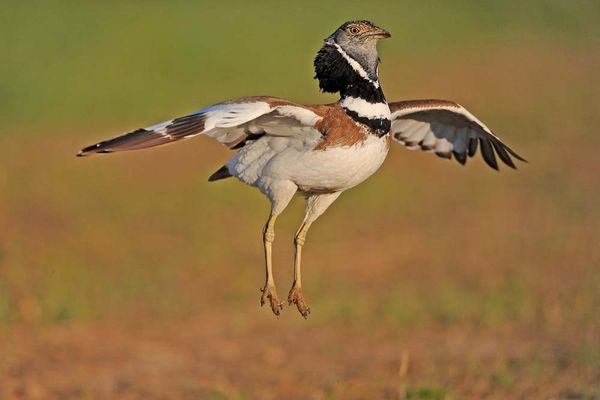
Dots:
pixel 319 151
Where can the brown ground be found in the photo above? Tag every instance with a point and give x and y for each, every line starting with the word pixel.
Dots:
pixel 209 357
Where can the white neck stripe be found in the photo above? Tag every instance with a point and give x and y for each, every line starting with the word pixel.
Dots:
pixel 356 66
pixel 365 109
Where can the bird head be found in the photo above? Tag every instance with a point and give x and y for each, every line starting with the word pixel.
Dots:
pixel 350 51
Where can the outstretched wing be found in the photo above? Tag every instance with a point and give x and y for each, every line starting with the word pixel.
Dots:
pixel 447 129
pixel 233 123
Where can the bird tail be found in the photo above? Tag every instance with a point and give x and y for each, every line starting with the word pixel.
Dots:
pixel 155 135
pixel 222 173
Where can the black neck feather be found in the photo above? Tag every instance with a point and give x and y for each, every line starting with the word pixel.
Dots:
pixel 378 126
pixel 335 74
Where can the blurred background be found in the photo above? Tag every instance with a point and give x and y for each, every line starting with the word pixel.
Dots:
pixel 130 276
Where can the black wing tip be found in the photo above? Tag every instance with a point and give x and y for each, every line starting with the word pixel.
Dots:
pixel 88 151
pixel 91 150
pixel 515 155
pixel 107 146
pixel 505 152
pixel 460 157
pixel 487 152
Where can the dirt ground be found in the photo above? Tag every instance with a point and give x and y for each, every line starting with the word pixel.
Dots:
pixel 265 358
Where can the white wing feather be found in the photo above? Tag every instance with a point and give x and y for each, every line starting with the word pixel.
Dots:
pixel 447 129
pixel 232 123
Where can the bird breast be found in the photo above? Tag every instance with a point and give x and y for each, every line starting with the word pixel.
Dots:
pixel 312 170
pixel 340 168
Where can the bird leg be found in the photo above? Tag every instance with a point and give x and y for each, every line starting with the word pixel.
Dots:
pixel 316 204
pixel 296 297
pixel 268 292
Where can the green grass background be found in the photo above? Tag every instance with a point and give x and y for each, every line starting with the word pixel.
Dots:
pixel 68 64
pixel 144 234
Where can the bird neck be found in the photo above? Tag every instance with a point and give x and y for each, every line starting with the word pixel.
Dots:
pixel 360 92
pixel 366 104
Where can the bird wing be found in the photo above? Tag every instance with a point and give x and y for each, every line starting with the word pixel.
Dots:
pixel 446 128
pixel 233 123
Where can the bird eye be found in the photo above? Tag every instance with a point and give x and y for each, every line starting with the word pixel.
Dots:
pixel 354 30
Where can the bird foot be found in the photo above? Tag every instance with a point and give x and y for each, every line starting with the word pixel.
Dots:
pixel 270 294
pixel 296 297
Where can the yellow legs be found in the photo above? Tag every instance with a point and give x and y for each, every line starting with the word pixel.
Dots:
pixel 268 292
pixel 296 297
pixel 316 205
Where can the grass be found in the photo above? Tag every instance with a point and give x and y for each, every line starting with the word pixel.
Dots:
pixel 423 250
pixel 88 65
pixel 425 393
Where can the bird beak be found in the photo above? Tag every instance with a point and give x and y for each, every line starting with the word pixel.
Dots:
pixel 380 33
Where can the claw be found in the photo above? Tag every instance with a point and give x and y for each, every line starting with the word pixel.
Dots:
pixel 269 293
pixel 296 297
